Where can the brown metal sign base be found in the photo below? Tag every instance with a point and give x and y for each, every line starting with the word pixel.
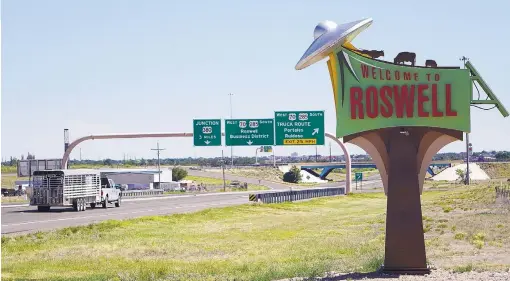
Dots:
pixel 402 156
pixel 407 271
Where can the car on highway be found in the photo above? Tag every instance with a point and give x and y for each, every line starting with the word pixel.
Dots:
pixel 77 188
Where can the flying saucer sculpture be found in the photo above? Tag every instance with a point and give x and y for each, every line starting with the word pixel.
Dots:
pixel 328 37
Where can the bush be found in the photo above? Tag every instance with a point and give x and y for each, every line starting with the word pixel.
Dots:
pixel 179 173
pixel 293 175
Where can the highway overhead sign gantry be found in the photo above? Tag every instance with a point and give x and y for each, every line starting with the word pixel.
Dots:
pixel 246 132
pixel 207 132
pixel 299 127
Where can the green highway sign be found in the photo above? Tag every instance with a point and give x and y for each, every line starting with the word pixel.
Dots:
pixel 358 177
pixel 299 127
pixel 207 132
pixel 246 132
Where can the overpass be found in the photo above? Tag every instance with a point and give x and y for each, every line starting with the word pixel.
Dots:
pixel 328 167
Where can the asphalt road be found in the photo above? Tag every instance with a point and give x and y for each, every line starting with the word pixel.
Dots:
pixel 25 219
pixel 20 219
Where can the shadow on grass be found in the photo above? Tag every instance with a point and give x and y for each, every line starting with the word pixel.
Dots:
pixel 359 276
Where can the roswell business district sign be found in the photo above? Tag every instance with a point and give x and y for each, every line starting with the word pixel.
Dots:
pixel 207 132
pixel 376 95
pixel 242 132
pixel 299 127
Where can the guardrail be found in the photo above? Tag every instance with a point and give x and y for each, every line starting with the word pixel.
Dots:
pixel 295 195
pixel 142 193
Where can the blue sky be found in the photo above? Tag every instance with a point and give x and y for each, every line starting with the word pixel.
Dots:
pixel 114 66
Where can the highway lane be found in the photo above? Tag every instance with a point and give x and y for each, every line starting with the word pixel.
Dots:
pixel 25 219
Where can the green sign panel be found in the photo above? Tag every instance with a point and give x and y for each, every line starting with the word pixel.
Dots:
pixel 372 94
pixel 246 132
pixel 207 132
pixel 358 176
pixel 299 127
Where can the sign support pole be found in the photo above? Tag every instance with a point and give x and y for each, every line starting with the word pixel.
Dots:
pixel 467 159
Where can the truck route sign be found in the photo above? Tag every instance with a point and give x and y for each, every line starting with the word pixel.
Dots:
pixel 299 127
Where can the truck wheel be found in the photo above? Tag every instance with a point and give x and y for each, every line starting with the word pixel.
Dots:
pixel 105 202
pixel 83 204
pixel 117 204
pixel 92 205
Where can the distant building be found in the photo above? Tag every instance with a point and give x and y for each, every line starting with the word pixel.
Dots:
pixel 140 178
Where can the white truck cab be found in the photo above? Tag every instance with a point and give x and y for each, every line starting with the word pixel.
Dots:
pixel 110 192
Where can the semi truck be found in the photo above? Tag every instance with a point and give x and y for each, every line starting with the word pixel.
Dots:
pixel 77 188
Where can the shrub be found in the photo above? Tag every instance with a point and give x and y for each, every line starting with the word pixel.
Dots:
pixel 460 235
pixel 293 175
pixel 179 173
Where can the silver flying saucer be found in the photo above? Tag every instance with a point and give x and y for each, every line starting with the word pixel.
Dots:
pixel 329 36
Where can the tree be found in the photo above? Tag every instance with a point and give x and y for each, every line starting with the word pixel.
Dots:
pixel 462 174
pixel 179 173
pixel 107 162
pixel 502 155
pixel 30 156
pixel 293 175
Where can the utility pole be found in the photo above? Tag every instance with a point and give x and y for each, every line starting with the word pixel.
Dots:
pixel 231 148
pixel 223 170
pixel 66 145
pixel 80 154
pixel 330 158
pixel 316 155
pixel 464 59
pixel 159 164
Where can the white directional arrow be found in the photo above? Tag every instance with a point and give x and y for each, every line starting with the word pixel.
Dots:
pixel 207 142
pixel 249 142
pixel 315 131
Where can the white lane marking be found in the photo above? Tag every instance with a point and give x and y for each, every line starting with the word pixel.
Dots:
pixel 15 206
pixel 111 214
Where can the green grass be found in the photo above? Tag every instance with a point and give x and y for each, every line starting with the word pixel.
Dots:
pixel 9 169
pixel 206 180
pixel 249 242
pixel 219 182
pixel 9 180
pixel 258 241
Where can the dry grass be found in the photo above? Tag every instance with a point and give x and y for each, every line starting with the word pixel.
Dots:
pixel 465 228
pixel 496 170
pixel 264 173
pixel 14 199
pixel 263 242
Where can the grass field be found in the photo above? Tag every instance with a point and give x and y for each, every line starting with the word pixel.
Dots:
pixel 219 182
pixel 8 180
pixel 496 170
pixel 265 173
pixel 463 229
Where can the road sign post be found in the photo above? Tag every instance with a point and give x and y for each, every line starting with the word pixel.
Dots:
pixel 247 132
pixel 299 127
pixel 358 177
pixel 207 132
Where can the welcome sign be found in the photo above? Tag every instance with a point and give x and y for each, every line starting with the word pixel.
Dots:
pixel 372 94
